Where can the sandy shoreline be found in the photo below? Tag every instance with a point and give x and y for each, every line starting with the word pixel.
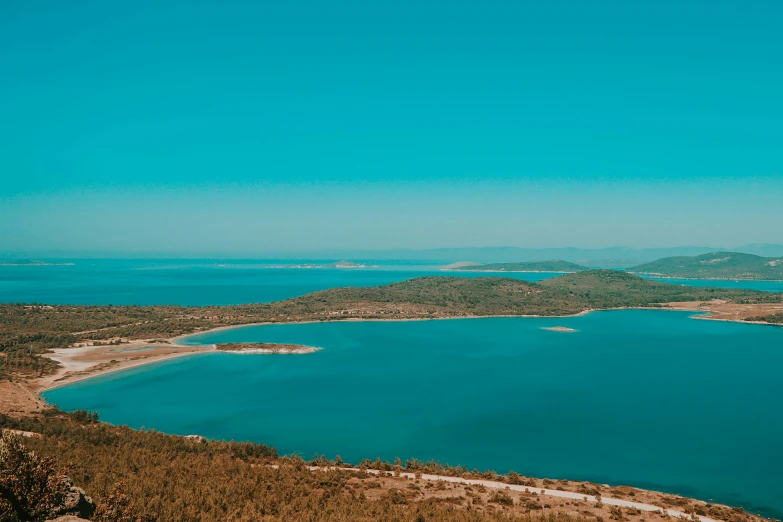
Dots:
pixel 73 370
pixel 117 368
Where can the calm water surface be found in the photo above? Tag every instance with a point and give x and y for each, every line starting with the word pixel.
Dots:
pixel 211 282
pixel 191 283
pixel 647 398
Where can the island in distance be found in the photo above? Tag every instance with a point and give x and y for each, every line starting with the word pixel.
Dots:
pixel 715 265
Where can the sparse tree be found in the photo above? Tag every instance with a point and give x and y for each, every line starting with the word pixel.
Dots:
pixel 30 487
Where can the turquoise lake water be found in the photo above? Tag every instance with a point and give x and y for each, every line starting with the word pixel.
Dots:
pixel 225 282
pixel 646 398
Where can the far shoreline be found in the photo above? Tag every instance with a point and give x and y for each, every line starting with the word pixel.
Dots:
pixel 706 315
pixel 507 271
pixel 736 279
pixel 175 340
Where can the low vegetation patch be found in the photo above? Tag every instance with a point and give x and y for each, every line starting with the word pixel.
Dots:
pixel 773 319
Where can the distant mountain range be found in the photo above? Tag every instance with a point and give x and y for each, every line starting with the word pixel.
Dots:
pixel 614 257
pixel 716 265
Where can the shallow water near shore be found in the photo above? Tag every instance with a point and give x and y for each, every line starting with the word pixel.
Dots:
pixel 647 398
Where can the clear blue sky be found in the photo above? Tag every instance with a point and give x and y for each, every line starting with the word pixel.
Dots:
pixel 266 127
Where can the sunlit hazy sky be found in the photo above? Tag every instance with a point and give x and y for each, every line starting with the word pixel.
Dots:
pixel 267 127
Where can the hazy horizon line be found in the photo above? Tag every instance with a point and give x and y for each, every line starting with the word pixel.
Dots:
pixel 358 252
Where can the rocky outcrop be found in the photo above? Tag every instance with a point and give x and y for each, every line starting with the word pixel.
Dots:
pixel 75 502
pixel 68 518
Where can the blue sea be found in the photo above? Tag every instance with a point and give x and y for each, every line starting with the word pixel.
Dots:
pixel 223 282
pixel 196 282
pixel 647 398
